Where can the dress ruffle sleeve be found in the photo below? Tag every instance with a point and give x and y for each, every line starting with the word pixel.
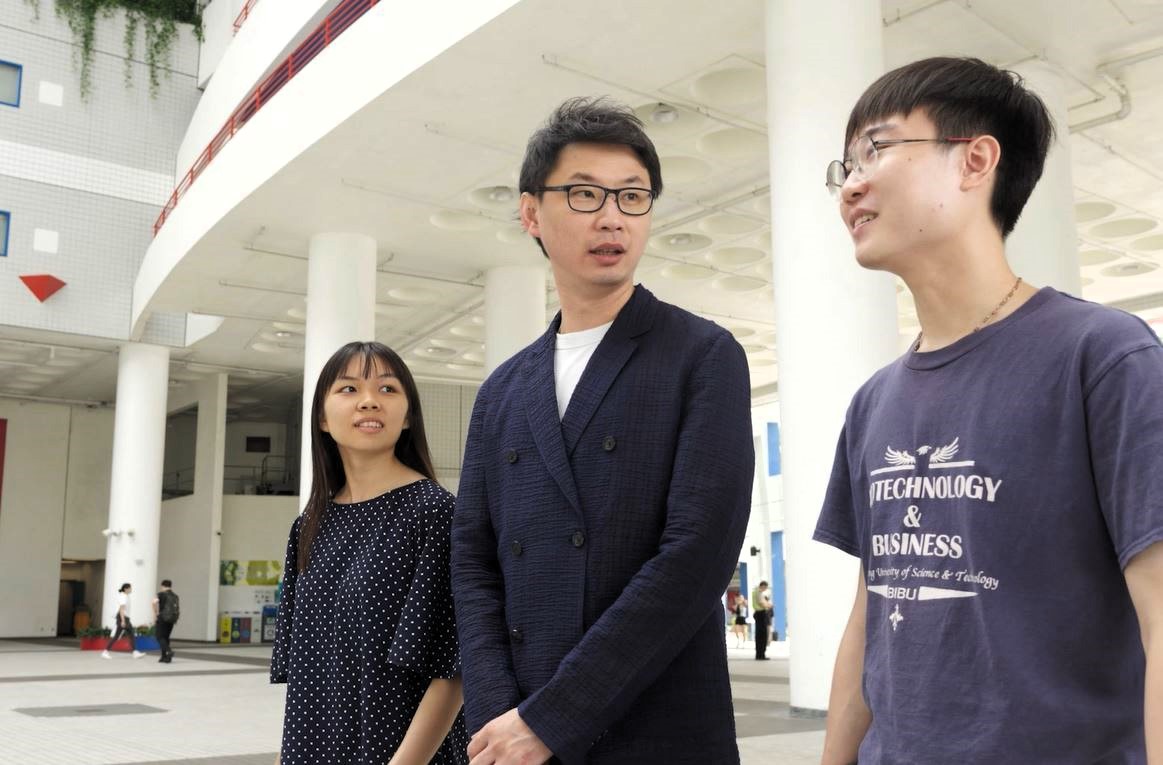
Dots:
pixel 281 655
pixel 425 637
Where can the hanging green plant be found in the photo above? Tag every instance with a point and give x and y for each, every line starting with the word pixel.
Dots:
pixel 159 19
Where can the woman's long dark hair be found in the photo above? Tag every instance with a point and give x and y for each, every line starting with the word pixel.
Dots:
pixel 327 476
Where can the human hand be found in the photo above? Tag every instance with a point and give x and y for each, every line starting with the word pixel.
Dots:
pixel 507 740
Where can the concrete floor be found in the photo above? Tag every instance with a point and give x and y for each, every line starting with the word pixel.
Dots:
pixel 214 706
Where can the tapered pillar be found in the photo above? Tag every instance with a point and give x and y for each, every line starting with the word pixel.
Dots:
pixel 135 492
pixel 835 323
pixel 514 311
pixel 1043 248
pixel 341 303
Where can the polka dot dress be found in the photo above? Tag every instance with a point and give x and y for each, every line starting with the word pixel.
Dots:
pixel 366 627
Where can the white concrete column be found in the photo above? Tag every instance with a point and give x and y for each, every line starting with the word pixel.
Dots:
pixel 135 492
pixel 514 311
pixel 835 323
pixel 341 308
pixel 1043 248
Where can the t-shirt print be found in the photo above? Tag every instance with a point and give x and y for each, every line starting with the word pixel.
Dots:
pixel 909 481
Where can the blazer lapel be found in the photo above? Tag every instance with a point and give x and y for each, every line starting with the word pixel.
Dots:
pixel 609 357
pixel 541 408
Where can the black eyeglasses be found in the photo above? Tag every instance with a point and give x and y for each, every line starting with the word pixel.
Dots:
pixel 589 198
pixel 865 154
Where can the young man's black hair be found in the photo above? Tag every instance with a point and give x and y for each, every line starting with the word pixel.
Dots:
pixel 966 97
pixel 586 120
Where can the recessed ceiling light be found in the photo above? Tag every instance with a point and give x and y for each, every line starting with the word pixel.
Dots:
pixel 687 272
pixel 414 295
pixel 512 235
pixel 736 85
pixel 282 333
pixel 286 326
pixel 664 114
pixel 1084 212
pixel 455 220
pixel 1097 257
pixel 739 284
pixel 435 352
pixel 1150 243
pixel 728 225
pixel 1130 268
pixel 1116 229
pixel 491 198
pixel 680 169
pixel 469 331
pixel 681 242
pixel 733 144
pixel 736 257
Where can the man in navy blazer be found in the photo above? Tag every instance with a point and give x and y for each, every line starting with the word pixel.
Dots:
pixel 605 490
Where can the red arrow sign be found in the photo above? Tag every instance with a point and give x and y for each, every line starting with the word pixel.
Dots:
pixel 43 286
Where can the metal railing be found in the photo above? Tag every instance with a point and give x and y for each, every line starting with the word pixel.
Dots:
pixel 337 22
pixel 178 483
pixel 271 476
pixel 244 14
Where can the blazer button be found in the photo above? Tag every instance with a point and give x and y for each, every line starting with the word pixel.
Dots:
pixel 515 547
pixel 511 456
pixel 578 538
pixel 516 634
pixel 608 443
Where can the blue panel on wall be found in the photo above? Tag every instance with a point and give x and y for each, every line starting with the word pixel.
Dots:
pixel 773 448
pixel 778 585
pixel 4 219
pixel 10 77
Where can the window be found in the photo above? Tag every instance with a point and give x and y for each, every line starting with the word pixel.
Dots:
pixel 3 234
pixel 261 444
pixel 10 83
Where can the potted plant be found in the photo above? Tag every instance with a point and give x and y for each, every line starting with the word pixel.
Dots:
pixel 94 638
pixel 145 640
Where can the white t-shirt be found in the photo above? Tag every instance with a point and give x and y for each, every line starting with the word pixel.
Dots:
pixel 573 352
pixel 123 600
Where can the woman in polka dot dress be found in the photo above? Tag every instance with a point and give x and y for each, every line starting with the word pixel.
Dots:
pixel 366 638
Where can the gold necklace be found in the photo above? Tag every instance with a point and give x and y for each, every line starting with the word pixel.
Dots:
pixel 986 320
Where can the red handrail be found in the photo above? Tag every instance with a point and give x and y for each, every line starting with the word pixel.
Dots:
pixel 344 15
pixel 243 15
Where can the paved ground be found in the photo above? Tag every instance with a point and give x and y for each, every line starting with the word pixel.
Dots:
pixel 213 706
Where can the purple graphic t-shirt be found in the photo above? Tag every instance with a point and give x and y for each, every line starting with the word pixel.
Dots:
pixel 994 490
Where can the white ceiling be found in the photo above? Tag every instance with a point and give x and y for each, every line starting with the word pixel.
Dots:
pixel 416 167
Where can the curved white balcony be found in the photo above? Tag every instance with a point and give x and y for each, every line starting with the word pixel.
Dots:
pixel 389 42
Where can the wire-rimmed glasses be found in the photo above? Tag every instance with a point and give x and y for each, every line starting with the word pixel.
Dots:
pixel 865 154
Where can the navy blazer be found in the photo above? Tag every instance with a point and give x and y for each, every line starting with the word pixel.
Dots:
pixel 589 553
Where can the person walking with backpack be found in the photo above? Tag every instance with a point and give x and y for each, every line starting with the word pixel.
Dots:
pixel 166 610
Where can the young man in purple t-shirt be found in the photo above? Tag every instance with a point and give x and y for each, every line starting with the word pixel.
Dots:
pixel 1002 482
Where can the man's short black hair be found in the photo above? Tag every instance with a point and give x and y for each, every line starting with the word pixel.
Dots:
pixel 966 97
pixel 167 583
pixel 763 583
pixel 586 120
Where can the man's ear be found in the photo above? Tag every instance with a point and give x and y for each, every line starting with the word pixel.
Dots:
pixel 531 214
pixel 981 157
